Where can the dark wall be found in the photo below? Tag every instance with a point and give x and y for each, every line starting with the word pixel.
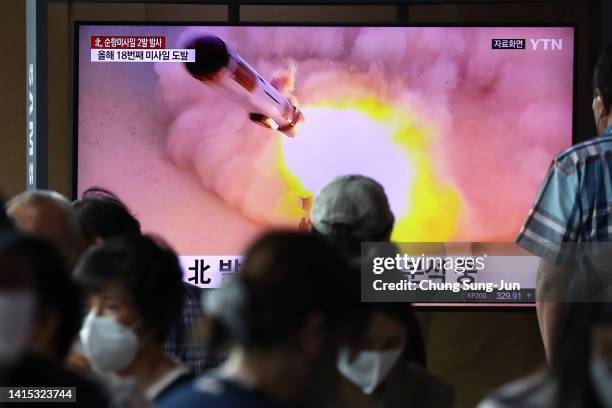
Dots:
pixel 12 97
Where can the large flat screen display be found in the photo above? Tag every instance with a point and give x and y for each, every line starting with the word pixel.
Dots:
pixel 214 134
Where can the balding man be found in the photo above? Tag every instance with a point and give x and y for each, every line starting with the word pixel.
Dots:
pixel 47 215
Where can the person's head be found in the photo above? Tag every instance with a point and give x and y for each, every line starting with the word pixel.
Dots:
pixel 134 292
pixel 602 90
pixel 57 316
pixel 350 210
pixel 101 215
pixel 17 301
pixel 290 305
pixel 386 327
pixel 47 215
pixel 5 222
pixel 371 354
pixel 582 352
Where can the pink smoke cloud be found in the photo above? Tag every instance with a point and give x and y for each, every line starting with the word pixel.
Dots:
pixel 496 117
pixel 194 169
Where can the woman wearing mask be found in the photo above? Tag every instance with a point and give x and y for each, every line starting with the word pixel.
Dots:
pixel 134 294
pixel 373 369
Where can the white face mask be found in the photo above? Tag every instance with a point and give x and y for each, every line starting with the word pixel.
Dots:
pixel 369 368
pixel 16 311
pixel 108 344
pixel 601 375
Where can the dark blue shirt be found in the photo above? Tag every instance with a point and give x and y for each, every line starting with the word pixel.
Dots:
pixel 211 392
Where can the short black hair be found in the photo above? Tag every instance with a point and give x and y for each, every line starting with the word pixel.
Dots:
pixel 148 270
pixel 102 214
pixel 602 77
pixel 286 278
pixel 5 221
pixel 55 291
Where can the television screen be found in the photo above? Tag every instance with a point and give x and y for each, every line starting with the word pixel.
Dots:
pixel 213 134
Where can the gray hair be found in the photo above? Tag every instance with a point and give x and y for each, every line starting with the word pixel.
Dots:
pixel 45 197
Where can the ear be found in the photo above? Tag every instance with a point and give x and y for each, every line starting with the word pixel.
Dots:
pixel 600 105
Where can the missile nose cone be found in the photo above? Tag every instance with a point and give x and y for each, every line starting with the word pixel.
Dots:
pixel 210 56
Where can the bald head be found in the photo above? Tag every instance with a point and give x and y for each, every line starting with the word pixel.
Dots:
pixel 49 216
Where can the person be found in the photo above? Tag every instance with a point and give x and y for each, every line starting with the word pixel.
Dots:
pixel 134 294
pixel 573 205
pixel 17 305
pixel 374 375
pixel 57 313
pixel 580 372
pixel 353 209
pixel 350 210
pixel 5 222
pixel 47 215
pixel 285 315
pixel 33 281
pixel 102 215
pixel 385 364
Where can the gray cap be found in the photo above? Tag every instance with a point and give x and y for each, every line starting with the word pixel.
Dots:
pixel 354 202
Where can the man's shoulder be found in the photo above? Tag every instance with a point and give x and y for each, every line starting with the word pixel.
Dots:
pixel 593 149
pixel 537 390
pixel 187 395
pixel 203 391
pixel 212 392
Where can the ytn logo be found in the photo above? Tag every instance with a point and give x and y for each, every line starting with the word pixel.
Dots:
pixel 546 44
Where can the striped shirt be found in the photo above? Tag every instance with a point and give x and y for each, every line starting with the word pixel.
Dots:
pixel 180 342
pixel 574 203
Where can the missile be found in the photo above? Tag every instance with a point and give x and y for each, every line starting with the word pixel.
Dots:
pixel 219 66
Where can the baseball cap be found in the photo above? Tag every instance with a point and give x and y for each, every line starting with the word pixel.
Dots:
pixel 354 204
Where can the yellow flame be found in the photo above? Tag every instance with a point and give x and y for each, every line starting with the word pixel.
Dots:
pixel 434 207
pixel 292 202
